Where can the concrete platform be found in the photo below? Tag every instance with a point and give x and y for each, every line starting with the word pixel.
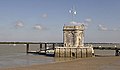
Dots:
pixel 77 52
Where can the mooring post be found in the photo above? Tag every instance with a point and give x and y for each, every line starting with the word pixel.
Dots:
pixel 40 47
pixel 27 48
pixel 117 52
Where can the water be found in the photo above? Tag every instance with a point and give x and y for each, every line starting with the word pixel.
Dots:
pixel 15 55
pixel 105 52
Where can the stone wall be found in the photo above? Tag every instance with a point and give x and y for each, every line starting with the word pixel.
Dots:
pixel 80 52
pixel 73 36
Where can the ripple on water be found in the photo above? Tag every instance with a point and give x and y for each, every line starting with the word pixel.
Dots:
pixel 23 60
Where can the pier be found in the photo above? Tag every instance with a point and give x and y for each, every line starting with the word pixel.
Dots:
pixel 44 47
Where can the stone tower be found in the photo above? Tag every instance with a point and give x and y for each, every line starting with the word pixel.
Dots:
pixel 73 36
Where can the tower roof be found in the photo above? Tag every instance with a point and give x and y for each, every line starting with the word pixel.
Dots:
pixel 73 28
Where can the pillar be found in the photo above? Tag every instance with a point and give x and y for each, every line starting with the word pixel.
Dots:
pixel 27 48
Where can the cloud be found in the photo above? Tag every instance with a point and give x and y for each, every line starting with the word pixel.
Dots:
pixel 38 27
pixel 76 23
pixel 88 20
pixel 102 28
pixel 19 24
pixel 115 29
pixel 85 22
pixel 44 15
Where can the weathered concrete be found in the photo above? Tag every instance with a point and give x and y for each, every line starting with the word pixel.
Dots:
pixel 73 37
pixel 80 52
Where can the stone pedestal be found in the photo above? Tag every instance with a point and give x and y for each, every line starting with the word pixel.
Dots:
pixel 80 52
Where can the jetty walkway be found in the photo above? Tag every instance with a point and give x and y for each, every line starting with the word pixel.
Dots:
pixel 44 47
